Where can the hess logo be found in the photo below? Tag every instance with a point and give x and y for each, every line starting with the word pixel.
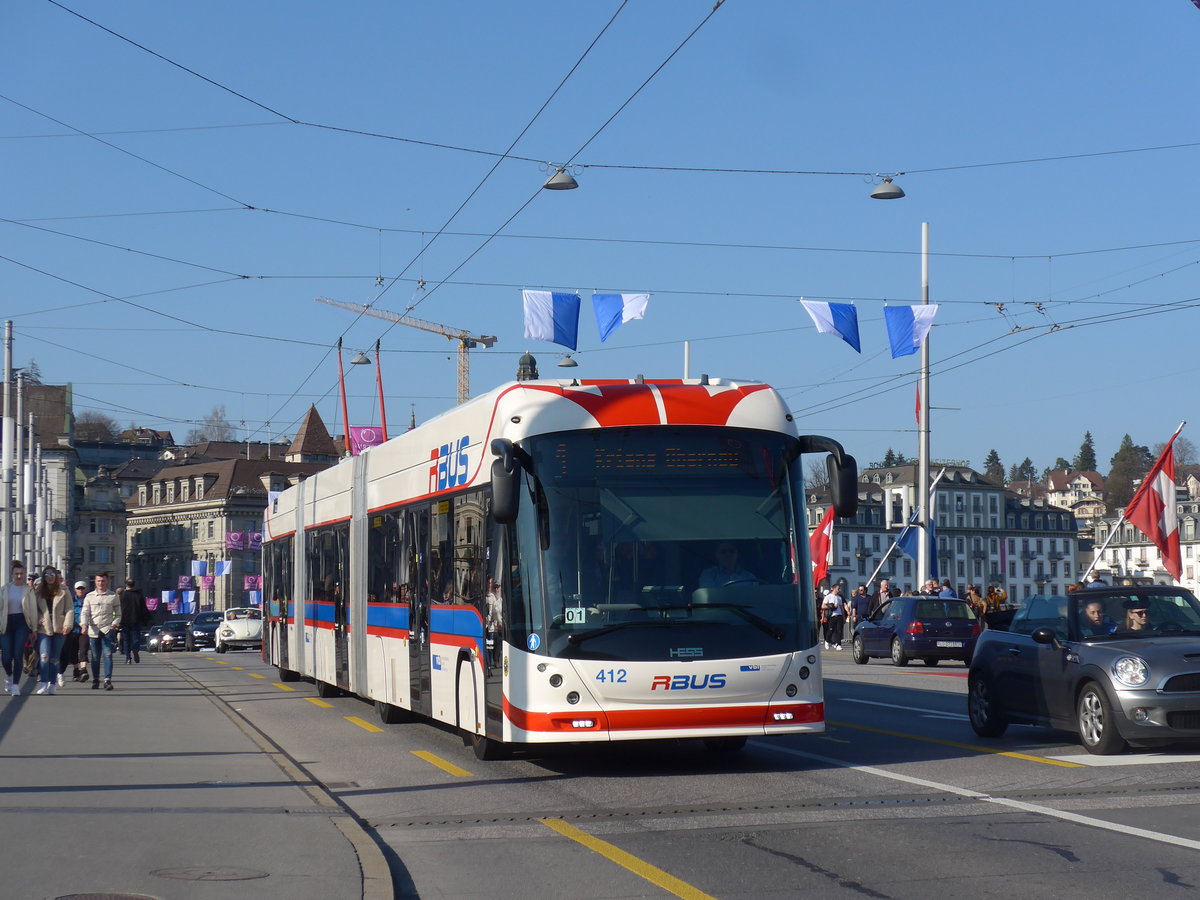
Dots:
pixel 448 465
pixel 687 682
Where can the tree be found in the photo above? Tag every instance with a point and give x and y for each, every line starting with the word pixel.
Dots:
pixel 1061 465
pixel 993 469
pixel 816 475
pixel 1085 459
pixel 1026 471
pixel 1129 464
pixel 889 458
pixel 1183 449
pixel 215 427
pixel 33 374
pixel 95 426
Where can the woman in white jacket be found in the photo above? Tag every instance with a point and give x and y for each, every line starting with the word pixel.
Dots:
pixel 17 620
pixel 55 619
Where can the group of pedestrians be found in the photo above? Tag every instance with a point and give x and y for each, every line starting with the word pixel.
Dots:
pixel 67 630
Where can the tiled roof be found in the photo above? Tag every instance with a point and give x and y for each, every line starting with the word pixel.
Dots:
pixel 313 438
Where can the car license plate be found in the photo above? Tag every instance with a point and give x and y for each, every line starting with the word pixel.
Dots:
pixel 949 643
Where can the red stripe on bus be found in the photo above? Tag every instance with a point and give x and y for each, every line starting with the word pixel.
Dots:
pixel 758 716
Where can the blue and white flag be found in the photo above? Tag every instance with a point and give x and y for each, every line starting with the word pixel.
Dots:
pixel 613 310
pixel 223 567
pixel 189 602
pixel 908 326
pixel 907 540
pixel 835 318
pixel 552 316
pixel 199 567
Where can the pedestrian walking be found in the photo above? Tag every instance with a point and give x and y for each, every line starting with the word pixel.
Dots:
pixel 16 624
pixel 860 605
pixel 834 615
pixel 75 648
pixel 55 619
pixel 881 596
pixel 134 617
pixel 101 618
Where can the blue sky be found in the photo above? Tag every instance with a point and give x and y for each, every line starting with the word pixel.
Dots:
pixel 163 238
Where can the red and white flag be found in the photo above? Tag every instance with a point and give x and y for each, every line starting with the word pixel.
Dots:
pixel 819 545
pixel 1153 509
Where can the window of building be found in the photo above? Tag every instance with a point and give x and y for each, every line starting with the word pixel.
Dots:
pixel 99 526
pixel 142 495
pixel 183 490
pixel 170 492
pixel 157 493
pixel 100 555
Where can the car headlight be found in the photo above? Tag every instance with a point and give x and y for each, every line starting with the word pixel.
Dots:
pixel 226 632
pixel 1130 671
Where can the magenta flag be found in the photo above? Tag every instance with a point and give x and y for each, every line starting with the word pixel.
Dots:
pixel 254 541
pixel 235 540
pixel 208 582
pixel 185 582
pixel 252 583
pixel 364 436
pixel 152 603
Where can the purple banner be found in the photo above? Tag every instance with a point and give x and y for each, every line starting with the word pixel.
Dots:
pixel 254 541
pixel 152 603
pixel 235 540
pixel 185 582
pixel 364 436
pixel 252 582
pixel 208 582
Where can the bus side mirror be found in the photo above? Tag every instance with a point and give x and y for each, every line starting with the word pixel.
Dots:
pixel 843 484
pixel 506 482
pixel 842 471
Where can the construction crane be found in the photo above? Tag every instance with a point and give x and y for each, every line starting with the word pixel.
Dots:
pixel 466 340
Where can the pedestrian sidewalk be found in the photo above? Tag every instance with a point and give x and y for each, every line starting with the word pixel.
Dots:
pixel 157 789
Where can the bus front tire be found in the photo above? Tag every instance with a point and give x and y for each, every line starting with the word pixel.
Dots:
pixel 724 744
pixel 288 674
pixel 487 748
pixel 390 714
pixel 325 690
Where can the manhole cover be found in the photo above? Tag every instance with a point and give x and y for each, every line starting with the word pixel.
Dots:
pixel 210 873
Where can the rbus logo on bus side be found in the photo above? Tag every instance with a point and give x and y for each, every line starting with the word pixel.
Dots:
pixel 450 465
pixel 687 682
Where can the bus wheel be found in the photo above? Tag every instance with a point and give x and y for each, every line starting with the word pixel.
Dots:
pixel 390 714
pixel 724 744
pixel 487 748
pixel 288 674
pixel 326 690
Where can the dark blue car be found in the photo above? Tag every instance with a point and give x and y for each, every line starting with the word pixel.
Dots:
pixel 926 628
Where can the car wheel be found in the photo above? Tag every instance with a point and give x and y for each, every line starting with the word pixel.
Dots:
pixel 221 648
pixel 858 652
pixel 899 657
pixel 1096 722
pixel 983 710
pixel 931 660
pixel 288 674
pixel 326 690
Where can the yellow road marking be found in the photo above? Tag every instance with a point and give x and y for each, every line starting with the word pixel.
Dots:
pixel 1011 753
pixel 440 763
pixel 281 686
pixel 221 661
pixel 257 675
pixel 238 668
pixel 317 701
pixel 638 867
pixel 362 723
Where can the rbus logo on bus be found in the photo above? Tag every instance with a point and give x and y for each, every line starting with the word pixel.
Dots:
pixel 687 682
pixel 450 465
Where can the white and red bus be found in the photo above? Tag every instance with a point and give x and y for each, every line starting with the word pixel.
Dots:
pixel 564 561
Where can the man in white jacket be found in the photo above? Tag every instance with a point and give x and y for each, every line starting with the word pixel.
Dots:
pixel 100 618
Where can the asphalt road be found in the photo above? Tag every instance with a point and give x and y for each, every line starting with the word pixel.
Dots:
pixel 898 799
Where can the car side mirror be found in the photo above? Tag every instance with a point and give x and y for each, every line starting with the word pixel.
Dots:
pixel 1045 635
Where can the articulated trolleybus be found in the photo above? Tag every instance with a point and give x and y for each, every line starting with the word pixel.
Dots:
pixel 564 561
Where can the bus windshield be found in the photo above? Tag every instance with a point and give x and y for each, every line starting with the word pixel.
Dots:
pixel 662 544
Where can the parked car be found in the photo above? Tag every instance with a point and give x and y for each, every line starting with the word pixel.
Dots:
pixel 240 628
pixel 153 633
pixel 913 627
pixel 202 630
pixel 1118 666
pixel 173 635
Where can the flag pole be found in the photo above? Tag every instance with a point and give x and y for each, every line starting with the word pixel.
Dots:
pixel 342 390
pixel 896 540
pixel 923 429
pixel 379 384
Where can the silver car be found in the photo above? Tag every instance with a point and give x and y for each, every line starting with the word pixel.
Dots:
pixel 1118 666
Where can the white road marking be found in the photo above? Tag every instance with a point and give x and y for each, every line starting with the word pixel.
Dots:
pixel 1130 759
pixel 1159 836
pixel 934 713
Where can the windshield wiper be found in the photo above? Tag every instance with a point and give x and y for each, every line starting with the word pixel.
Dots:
pixel 579 637
pixel 744 612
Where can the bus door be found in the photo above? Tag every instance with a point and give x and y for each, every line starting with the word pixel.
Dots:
pixel 420 591
pixel 341 630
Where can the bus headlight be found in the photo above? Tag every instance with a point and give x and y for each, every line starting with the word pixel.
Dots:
pixel 555 680
pixel 573 697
